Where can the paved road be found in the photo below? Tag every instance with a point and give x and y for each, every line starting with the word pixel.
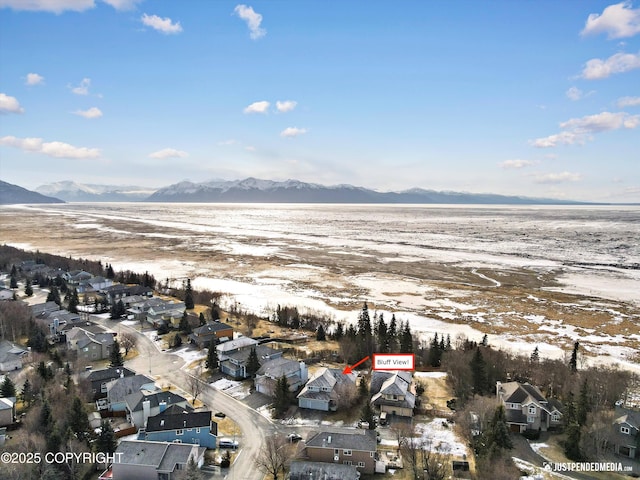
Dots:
pixel 166 367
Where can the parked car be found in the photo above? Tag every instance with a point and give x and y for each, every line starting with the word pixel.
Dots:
pixel 383 418
pixel 364 425
pixel 227 443
pixel 294 437
pixel 219 414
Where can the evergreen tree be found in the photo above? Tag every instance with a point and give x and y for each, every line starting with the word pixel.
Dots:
pixel 392 335
pixel 584 405
pixel 184 326
pixel 201 319
pixel 78 421
pixel 74 301
pixel 215 312
pixel 573 362
pixel 485 340
pixel 28 289
pixel 479 373
pixel 367 414
pixel 110 273
pixel 37 339
pixel 406 339
pixel 382 337
pixel 363 389
pixel 338 332
pixel 253 363
pixel 116 356
pixel 365 336
pixel 8 388
pixel 188 296
pixel 212 358
pixel 435 352
pixel 535 355
pixel 498 434
pixel 106 441
pixel 117 310
pixel 320 335
pixel 27 394
pixel 281 401
pixel 47 422
pixel 45 371
pixel 177 341
pixel 54 295
pixel 13 282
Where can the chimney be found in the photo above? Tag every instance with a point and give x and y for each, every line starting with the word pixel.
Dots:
pixel 329 439
pixel 163 406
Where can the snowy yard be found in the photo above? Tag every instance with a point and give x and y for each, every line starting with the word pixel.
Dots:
pixel 439 436
pixel 232 388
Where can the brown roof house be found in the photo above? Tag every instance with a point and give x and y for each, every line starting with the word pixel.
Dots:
pixel 357 449
pixel 526 408
pixel 393 392
pixel 322 391
pixel 202 336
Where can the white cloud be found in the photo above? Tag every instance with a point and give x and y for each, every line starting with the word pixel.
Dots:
pixel 618 21
pixel 516 163
pixel 34 79
pixel 628 102
pixel 55 6
pixel 123 4
pixel 563 177
pixel 291 132
pixel 93 112
pixel 168 153
pixel 286 106
pixel 83 88
pixel 9 104
pixel 578 130
pixel 258 107
pixel 253 20
pixel 574 94
pixel 225 143
pixel 52 149
pixel 163 25
pixel 597 69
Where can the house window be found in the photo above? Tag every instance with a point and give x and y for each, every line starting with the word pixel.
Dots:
pixel 371 454
pixel 336 452
pixel 179 432
pixel 532 410
pixel 555 417
pixel 625 430
pixel 361 464
pixel 198 430
pixel 531 419
pixel 347 462
pixel 346 452
pixel 177 441
pixel 189 429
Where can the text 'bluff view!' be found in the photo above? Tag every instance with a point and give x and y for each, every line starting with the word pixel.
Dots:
pixel 310 240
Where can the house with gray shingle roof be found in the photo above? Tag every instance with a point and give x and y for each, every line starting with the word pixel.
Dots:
pixel 357 449
pixel 179 424
pixel 272 370
pixel 322 390
pixel 526 408
pixel 89 345
pixel 144 460
pixel 301 470
pixel 144 404
pixel 202 336
pixel 626 432
pixel 393 392
pixel 11 356
pixel 118 389
pixel 7 411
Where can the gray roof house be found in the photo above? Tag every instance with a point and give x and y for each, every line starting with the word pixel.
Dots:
pixel 357 449
pixel 144 404
pixel 7 411
pixel 322 390
pixel 144 460
pixel 118 389
pixel 100 378
pixel 11 356
pixel 393 392
pixel 626 431
pixel 234 363
pixel 88 345
pixel 203 335
pixel 272 370
pixel 526 408
pixel 300 470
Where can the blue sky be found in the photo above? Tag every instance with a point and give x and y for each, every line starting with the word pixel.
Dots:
pixel 514 97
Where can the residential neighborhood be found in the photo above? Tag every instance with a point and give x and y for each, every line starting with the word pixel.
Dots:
pixel 198 403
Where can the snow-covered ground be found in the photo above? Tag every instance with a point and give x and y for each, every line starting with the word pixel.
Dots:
pixel 232 388
pixel 438 436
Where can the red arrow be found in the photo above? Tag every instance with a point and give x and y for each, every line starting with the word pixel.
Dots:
pixel 349 369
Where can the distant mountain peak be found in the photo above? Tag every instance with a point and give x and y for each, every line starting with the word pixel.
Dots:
pixel 14 194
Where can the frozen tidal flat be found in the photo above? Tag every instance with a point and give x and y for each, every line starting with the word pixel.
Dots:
pixel 527 276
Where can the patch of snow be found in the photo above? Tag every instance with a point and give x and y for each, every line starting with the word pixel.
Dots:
pixel 438 434
pixel 430 374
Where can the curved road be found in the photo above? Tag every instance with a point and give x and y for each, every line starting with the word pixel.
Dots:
pixel 167 366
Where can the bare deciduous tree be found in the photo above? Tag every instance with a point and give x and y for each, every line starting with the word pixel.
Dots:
pixel 195 383
pixel 274 456
pixel 347 395
pixel 128 341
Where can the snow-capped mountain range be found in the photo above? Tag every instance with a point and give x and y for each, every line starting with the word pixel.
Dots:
pixel 70 191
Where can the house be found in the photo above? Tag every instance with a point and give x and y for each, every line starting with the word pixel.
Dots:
pixel 118 389
pixel 168 313
pixel 144 460
pixel 38 309
pixel 118 291
pixel 322 391
pixel 143 404
pixel 54 322
pixel 300 470
pixel 234 363
pixel 203 335
pixel 272 370
pixel 99 379
pixel 626 432
pixel 11 356
pixel 87 345
pixel 526 408
pixel 176 424
pixel 235 345
pixel 393 392
pixel 357 449
pixel 7 411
